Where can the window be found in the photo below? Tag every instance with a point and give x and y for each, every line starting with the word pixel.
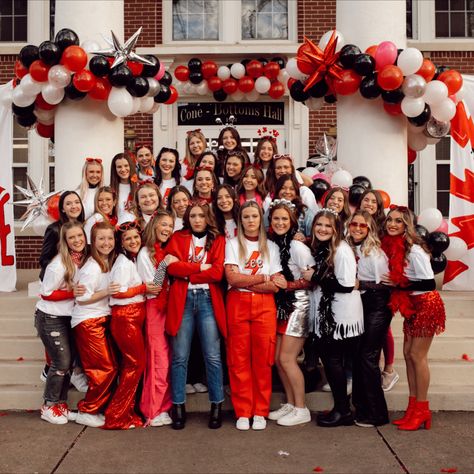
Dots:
pixel 409 19
pixel 20 165
pixel 13 20
pixel 264 19
pixel 443 175
pixel 454 18
pixel 195 20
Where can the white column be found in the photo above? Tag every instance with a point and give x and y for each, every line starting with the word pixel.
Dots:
pixel 86 128
pixel 371 142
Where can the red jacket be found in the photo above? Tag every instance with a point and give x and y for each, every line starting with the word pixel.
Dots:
pixel 187 272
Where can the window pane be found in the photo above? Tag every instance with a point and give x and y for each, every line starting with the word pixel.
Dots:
pixel 6 31
pixel 458 28
pixel 441 5
pixel 280 6
pixel 179 28
pixel 211 7
pixel 264 6
pixel 470 24
pixel 442 177
pixel 51 178
pixel 20 155
pixel 264 26
pixel 264 19
pixel 195 20
pixel 195 26
pixel 442 202
pixel 6 7
pixel 20 6
pixel 457 5
pixel 280 26
pixel 19 178
pixel 20 29
pixel 443 149
pixel 442 25
pixel 20 134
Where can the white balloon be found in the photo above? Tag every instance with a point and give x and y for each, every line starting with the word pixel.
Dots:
pixel 238 95
pixel 283 76
pixel 414 86
pixel 223 73
pixel 22 99
pixel 136 105
pixel 202 88
pixel 187 87
pixel 44 116
pixel 323 42
pixel 155 108
pixel 146 104
pixel 409 61
pixel 310 171
pixel 237 70
pixel 435 92
pixel 444 110
pixel 314 103
pixel 417 141
pixel 252 96
pixel 262 85
pixel 30 86
pixel 154 86
pixel 412 107
pixel 192 89
pixel 457 249
pixel 341 178
pixel 120 102
pixel 90 45
pixel 293 71
pixel 59 76
pixel 430 218
pixel 6 97
pixel 52 95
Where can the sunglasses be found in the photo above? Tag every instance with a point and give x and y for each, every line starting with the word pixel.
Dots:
pixel 359 225
pixel 392 207
pixel 285 156
pixel 94 160
pixel 129 226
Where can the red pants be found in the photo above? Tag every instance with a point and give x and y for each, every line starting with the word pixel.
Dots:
pixel 251 321
pixel 156 394
pixel 98 362
pixel 127 331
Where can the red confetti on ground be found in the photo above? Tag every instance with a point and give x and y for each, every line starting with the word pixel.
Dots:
pixel 3 414
pixel 31 411
pixel 466 357
pixel 318 469
pixel 20 359
pixel 449 469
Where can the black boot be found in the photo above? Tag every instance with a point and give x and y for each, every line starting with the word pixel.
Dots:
pixel 335 418
pixel 178 415
pixel 215 416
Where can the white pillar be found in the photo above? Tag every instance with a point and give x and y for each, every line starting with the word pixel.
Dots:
pixel 86 128
pixel 371 142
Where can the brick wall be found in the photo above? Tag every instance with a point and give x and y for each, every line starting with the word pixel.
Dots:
pixel 28 250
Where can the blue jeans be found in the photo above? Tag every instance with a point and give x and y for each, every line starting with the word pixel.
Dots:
pixel 197 312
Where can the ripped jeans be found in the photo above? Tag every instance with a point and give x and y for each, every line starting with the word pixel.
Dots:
pixel 56 334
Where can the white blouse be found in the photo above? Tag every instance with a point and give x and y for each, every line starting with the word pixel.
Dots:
pixel 125 272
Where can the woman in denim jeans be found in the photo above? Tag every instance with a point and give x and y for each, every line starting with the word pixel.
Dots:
pixel 53 320
pixel 196 300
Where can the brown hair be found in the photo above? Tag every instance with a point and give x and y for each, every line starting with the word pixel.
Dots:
pixel 257 160
pixel 149 234
pixel 211 229
pixel 65 254
pixel 336 237
pixel 114 177
pixel 346 212
pixel 106 265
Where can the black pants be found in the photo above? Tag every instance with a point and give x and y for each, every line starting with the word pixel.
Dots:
pixel 368 397
pixel 333 353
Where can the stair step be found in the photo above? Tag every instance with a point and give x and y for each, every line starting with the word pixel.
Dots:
pixel 443 347
pixel 455 326
pixel 29 348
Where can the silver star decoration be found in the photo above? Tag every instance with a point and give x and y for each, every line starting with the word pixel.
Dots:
pixel 36 203
pixel 124 53
pixel 326 148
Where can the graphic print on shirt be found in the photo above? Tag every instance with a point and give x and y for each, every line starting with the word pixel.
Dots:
pixel 254 263
pixel 197 254
pixel 165 197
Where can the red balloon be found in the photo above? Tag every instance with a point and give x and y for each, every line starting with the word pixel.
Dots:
pixel 214 83
pixel 74 58
pixel 19 69
pixel 136 68
pixel 290 82
pixel 181 73
pixel 271 70
pixel 390 77
pixel 230 86
pixel 39 71
pixel 304 66
pixel 208 69
pixel 392 109
pixel 385 198
pixel 42 104
pixel 254 68
pixel 349 84
pixel 246 84
pixel 451 78
pixel 411 156
pixel 53 205
pixel 84 80
pixel 101 89
pixel 277 89
pixel 427 70
pixel 173 97
pixel 371 50
pixel 45 131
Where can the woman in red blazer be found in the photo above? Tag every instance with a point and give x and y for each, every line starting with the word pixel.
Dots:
pixel 196 300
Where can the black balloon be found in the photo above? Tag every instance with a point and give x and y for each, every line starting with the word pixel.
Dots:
pixel 219 95
pixel 319 187
pixel 49 53
pixel 368 87
pixel 439 70
pixel 393 97
pixel 167 79
pixel 150 71
pixel 72 93
pixel 280 61
pixel 23 111
pixel 65 38
pixel 26 120
pixel 28 54
pixel 319 89
pixel 362 181
pixel 195 77
pixel 138 87
pixel 422 231
pixel 330 99
pixel 355 194
pixel 99 66
pixel 348 54
pixel 194 64
pixel 163 95
pixel 438 242
pixel 364 64
pixel 244 62
pixel 120 76
pixel 421 119
pixel 438 263
pixel 297 93
pixel 264 61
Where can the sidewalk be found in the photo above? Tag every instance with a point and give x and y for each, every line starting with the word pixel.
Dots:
pixel 28 444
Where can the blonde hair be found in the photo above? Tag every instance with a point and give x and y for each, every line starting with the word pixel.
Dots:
pixel 106 265
pixel 372 241
pixel 191 159
pixel 65 254
pixel 149 234
pixel 84 186
pixel 336 237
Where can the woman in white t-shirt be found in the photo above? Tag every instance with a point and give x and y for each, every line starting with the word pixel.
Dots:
pixel 53 320
pixel 123 179
pixel 104 210
pixel 252 269
pixel 167 172
pixel 92 180
pixel 147 201
pixel 226 210
pixel 90 321
pixel 178 201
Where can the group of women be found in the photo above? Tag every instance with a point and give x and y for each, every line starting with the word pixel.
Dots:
pixel 241 254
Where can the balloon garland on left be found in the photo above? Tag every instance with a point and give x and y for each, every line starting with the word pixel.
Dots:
pixel 47 75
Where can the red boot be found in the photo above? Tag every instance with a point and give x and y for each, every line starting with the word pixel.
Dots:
pixel 420 417
pixel 408 412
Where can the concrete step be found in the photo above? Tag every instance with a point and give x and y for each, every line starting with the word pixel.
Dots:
pixel 27 347
pixel 444 347
pixel 455 326
pixel 11 326
pixel 447 373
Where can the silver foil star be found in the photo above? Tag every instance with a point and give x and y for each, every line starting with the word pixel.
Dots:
pixel 124 53
pixel 326 149
pixel 36 203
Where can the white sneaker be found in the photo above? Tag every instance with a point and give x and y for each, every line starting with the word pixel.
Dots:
pixel 79 381
pixel 161 420
pixel 389 379
pixel 94 421
pixel 326 387
pixel 242 424
pixel 189 389
pixel 53 414
pixel 284 409
pixel 295 417
pixel 70 415
pixel 349 386
pixel 200 387
pixel 259 423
